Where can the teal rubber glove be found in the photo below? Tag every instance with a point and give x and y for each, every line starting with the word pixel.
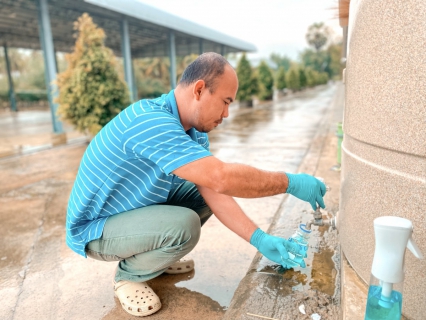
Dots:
pixel 306 188
pixel 276 249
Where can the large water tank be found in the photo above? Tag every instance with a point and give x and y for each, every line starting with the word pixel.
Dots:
pixel 384 144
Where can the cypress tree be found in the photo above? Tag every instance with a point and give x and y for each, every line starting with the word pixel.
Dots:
pixel 302 77
pixel 311 77
pixel 280 82
pixel 292 78
pixel 266 82
pixel 323 78
pixel 247 81
pixel 91 92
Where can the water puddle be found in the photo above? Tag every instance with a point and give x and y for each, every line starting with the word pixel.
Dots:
pixel 322 262
pixel 313 289
pixel 323 272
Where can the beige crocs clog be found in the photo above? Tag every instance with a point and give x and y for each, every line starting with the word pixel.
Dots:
pixel 182 266
pixel 137 298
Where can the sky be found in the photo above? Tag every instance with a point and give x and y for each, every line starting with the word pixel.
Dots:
pixel 271 25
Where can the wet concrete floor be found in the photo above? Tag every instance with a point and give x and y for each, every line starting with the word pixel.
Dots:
pixel 43 279
pixel 268 290
pixel 30 131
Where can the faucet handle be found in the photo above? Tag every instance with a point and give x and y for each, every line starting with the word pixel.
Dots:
pixel 317 213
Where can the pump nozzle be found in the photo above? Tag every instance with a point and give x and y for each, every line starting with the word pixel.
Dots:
pixel 412 246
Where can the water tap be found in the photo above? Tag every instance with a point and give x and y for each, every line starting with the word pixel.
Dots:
pixel 318 220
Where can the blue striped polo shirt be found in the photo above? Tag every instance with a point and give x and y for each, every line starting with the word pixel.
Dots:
pixel 128 165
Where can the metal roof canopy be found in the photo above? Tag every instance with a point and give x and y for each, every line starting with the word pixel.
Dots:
pixel 148 27
pixel 132 29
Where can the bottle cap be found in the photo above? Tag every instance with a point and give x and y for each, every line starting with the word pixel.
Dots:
pixel 302 227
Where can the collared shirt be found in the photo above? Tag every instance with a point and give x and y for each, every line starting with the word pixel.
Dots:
pixel 129 165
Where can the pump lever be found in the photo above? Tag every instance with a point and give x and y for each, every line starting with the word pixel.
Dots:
pixel 412 246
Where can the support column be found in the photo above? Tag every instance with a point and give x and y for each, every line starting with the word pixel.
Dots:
pixel 46 40
pixel 135 87
pixel 201 46
pixel 9 77
pixel 172 56
pixel 222 49
pixel 127 57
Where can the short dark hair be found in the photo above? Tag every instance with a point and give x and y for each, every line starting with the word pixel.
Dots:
pixel 208 67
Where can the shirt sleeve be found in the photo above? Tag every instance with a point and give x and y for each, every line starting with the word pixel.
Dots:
pixel 161 138
pixel 203 140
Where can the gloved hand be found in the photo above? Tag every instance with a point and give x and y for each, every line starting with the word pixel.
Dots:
pixel 307 188
pixel 276 248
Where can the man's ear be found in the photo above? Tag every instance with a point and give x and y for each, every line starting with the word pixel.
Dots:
pixel 199 87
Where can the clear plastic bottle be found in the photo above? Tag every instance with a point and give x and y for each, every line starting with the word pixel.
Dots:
pixel 295 255
pixel 297 248
pixel 301 237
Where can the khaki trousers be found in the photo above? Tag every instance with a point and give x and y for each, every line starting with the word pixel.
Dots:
pixel 146 241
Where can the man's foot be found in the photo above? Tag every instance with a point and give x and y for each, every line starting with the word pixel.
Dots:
pixel 137 298
pixel 184 265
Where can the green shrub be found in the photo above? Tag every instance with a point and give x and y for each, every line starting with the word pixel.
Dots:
pixel 280 82
pixel 4 95
pixel 311 77
pixel 266 81
pixel 248 83
pixel 30 96
pixel 302 77
pixel 322 78
pixel 38 80
pixel 292 78
pixel 151 88
pixel 91 92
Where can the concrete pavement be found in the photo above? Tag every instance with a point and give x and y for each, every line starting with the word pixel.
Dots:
pixel 30 131
pixel 266 291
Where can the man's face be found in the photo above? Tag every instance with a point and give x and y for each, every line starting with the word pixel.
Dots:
pixel 213 107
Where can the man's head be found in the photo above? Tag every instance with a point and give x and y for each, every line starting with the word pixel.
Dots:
pixel 207 87
pixel 208 67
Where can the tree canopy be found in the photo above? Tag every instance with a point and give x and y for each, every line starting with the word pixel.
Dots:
pixel 292 78
pixel 280 60
pixel 91 92
pixel 280 82
pixel 266 82
pixel 325 55
pixel 318 35
pixel 248 85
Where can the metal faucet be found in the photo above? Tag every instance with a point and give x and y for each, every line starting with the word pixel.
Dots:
pixel 319 221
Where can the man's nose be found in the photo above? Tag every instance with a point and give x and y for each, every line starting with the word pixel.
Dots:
pixel 225 112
